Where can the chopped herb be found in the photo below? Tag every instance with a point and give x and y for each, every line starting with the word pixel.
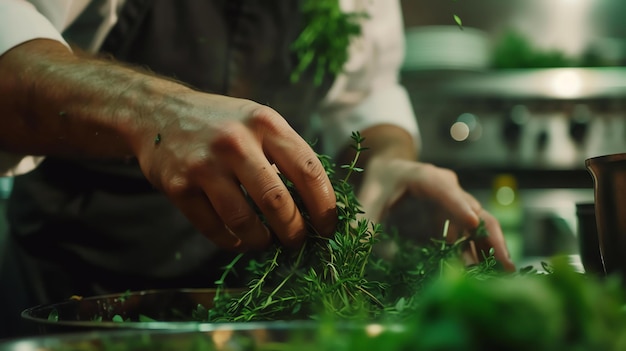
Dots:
pixel 339 276
pixel 117 318
pixel 458 21
pixel 125 296
pixel 145 319
pixel 53 316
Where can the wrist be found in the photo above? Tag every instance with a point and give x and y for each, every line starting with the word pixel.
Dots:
pixel 386 143
pixel 146 107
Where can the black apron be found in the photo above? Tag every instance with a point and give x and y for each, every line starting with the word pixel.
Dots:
pixel 89 228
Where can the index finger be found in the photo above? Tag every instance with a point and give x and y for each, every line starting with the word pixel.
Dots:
pixel 300 164
pixel 266 189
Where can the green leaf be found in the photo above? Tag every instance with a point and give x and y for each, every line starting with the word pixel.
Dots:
pixel 125 296
pixel 458 21
pixel 117 318
pixel 400 304
pixel 97 319
pixel 53 316
pixel 144 318
pixel 296 308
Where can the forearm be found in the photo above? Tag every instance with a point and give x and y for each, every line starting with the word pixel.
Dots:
pixel 53 102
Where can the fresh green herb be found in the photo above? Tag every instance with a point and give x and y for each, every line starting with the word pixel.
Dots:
pixel 53 316
pixel 117 318
pixel 96 319
pixel 339 276
pixel 458 21
pixel 325 39
pixel 157 139
pixel 481 231
pixel 125 296
pixel 144 318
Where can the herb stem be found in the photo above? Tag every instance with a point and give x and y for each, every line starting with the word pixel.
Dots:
pixel 355 159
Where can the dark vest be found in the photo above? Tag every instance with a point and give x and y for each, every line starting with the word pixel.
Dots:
pixel 92 227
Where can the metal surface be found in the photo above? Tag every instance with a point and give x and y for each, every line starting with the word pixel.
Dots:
pixel 171 309
pixel 609 175
pixel 547 83
pixel 545 119
pixel 215 337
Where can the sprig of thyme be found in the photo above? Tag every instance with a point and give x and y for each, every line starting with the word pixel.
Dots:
pixel 338 276
pixel 326 275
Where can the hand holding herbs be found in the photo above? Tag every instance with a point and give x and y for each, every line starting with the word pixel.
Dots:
pixel 340 276
pixel 390 180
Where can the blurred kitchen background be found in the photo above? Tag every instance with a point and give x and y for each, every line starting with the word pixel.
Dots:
pixel 514 101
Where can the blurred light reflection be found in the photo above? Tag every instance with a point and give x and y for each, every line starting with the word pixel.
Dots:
pixel 567 83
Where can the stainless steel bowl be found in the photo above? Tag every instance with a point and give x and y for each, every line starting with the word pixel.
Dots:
pixel 171 309
pixel 208 337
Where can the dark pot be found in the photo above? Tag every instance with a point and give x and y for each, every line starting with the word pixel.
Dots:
pixel 609 176
pixel 588 243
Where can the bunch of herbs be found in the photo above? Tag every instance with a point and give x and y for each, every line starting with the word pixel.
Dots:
pixel 340 276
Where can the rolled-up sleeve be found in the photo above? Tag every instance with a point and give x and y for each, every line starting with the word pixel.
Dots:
pixel 368 91
pixel 20 22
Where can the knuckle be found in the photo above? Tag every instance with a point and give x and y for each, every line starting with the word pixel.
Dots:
pixel 275 198
pixel 176 186
pixel 265 118
pixel 312 171
pixel 230 141
pixel 194 163
pixel 448 173
pixel 180 182
pixel 440 174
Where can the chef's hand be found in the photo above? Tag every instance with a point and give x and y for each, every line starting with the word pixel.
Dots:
pixel 199 149
pixel 387 180
pixel 202 149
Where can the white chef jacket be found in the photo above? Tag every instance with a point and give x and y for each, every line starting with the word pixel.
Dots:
pixel 365 94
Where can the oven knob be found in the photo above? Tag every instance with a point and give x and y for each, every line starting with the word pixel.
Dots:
pixel 466 127
pixel 514 124
pixel 579 123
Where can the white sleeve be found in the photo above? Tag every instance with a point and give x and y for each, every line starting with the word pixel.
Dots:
pixel 20 22
pixel 368 92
